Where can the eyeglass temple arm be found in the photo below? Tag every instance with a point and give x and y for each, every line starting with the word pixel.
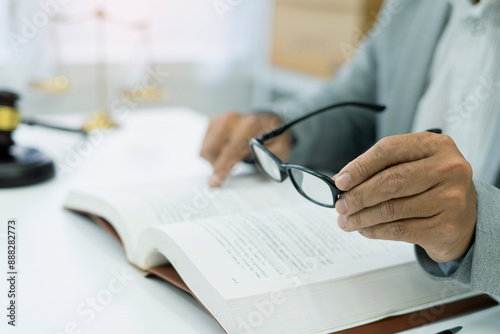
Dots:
pixel 284 127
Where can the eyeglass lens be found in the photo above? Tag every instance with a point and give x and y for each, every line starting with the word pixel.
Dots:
pixel 312 186
pixel 267 163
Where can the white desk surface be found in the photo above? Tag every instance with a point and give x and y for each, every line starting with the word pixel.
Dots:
pixel 66 261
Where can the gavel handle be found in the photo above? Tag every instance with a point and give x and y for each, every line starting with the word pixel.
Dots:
pixel 32 122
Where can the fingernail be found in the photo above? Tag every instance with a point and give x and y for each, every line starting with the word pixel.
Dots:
pixel 334 177
pixel 343 182
pixel 214 181
pixel 342 222
pixel 341 206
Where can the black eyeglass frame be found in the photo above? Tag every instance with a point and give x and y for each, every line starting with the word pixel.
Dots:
pixel 285 169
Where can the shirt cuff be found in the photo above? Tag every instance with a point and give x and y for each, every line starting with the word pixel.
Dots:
pixel 449 268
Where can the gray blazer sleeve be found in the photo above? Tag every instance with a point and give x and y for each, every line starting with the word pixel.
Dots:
pixel 480 268
pixel 331 140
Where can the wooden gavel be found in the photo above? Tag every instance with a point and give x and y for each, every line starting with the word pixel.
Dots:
pixel 9 120
pixel 19 166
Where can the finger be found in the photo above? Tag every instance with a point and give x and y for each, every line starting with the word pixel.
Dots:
pixel 230 154
pixel 417 206
pixel 430 233
pixel 227 159
pixel 213 142
pixel 408 230
pixel 386 152
pixel 218 133
pixel 398 181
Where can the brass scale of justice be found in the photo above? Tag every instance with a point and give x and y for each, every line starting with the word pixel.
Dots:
pixel 22 166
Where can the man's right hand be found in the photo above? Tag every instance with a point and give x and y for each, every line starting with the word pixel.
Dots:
pixel 227 137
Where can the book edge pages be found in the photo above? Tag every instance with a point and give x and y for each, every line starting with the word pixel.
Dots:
pixel 389 324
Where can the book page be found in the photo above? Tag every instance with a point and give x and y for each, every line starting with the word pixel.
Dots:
pixel 260 250
pixel 188 201
pixel 132 209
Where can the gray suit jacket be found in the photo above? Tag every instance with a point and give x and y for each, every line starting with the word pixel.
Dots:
pixel 391 67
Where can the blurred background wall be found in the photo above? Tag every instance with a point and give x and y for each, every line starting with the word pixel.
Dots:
pixel 210 55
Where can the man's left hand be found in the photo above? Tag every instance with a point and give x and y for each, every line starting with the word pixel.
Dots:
pixel 415 188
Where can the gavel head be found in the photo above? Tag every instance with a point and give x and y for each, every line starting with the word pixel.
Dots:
pixel 9 119
pixel 19 166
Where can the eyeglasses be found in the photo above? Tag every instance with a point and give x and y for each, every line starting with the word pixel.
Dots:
pixel 316 187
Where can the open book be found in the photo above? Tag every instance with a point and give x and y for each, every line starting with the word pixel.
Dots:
pixel 260 258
